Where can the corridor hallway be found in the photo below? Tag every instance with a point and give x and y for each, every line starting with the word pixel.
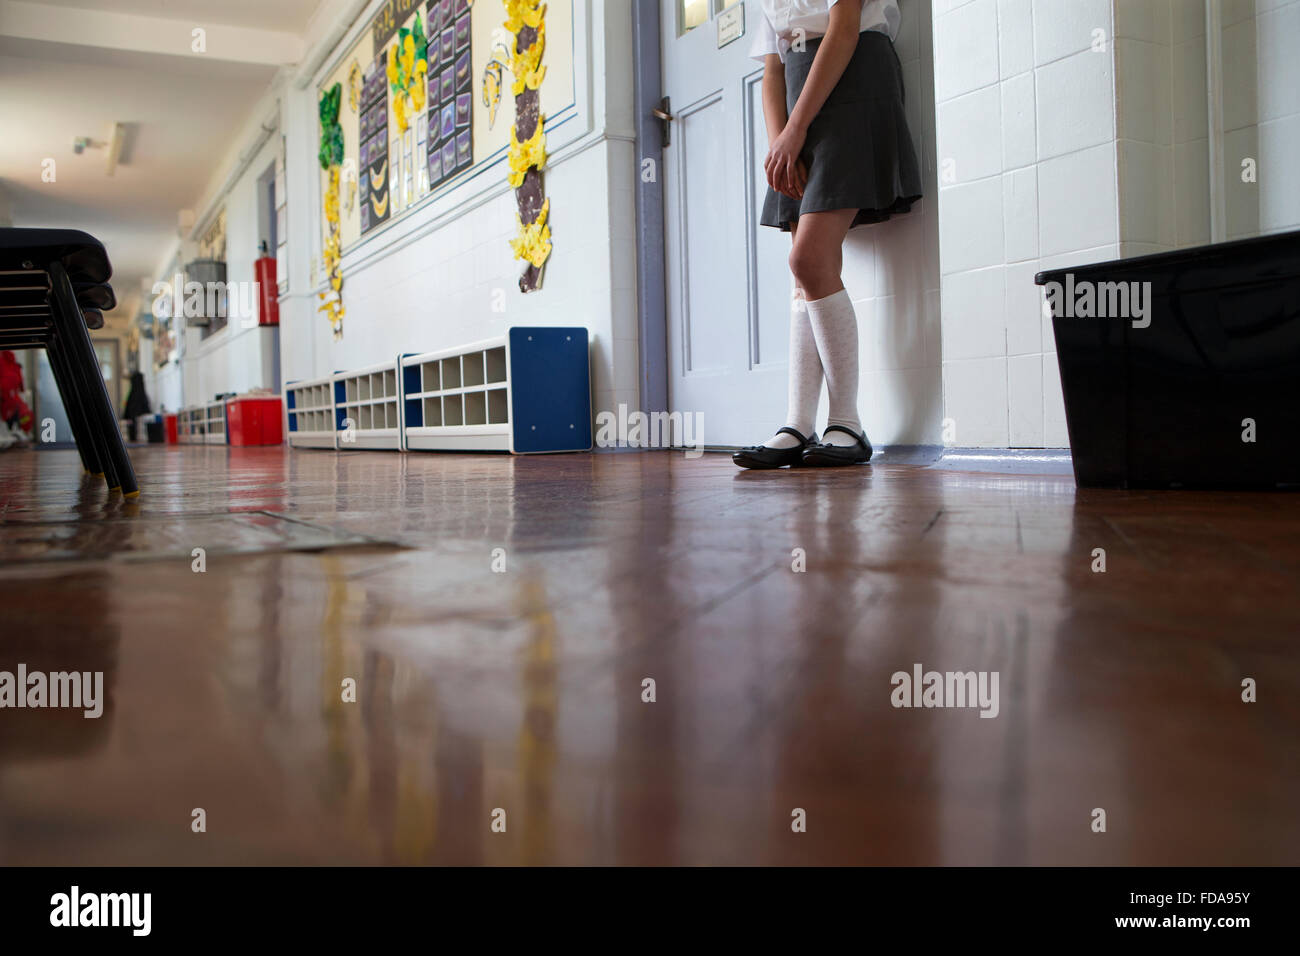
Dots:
pixel 500 614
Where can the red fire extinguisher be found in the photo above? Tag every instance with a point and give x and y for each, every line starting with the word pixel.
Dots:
pixel 268 290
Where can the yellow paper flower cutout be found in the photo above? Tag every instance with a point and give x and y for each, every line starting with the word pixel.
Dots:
pixel 331 254
pixel 524 13
pixel 531 152
pixel 533 244
pixel 526 65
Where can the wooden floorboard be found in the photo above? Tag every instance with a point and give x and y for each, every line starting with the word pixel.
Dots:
pixel 522 690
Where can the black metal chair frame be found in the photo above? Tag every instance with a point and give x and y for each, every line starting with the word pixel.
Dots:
pixel 40 307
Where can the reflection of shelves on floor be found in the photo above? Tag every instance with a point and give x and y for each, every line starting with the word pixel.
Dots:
pixel 309 408
pixel 368 408
pixel 202 424
pixel 458 398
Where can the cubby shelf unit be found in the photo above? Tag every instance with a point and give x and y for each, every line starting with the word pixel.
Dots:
pixel 368 403
pixel 202 424
pixel 309 413
pixel 528 391
pixel 458 399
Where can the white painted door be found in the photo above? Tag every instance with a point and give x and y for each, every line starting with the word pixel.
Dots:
pixel 728 281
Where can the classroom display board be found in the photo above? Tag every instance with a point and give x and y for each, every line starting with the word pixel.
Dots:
pixel 401 144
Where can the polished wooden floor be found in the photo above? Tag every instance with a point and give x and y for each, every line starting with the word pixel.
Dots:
pixel 522 690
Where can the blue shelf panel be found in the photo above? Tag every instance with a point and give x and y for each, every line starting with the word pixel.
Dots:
pixel 550 387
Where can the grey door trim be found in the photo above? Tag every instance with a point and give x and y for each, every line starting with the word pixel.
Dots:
pixel 652 313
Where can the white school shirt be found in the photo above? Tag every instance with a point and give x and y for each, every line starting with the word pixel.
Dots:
pixel 782 19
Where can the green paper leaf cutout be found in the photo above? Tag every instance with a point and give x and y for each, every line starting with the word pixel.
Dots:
pixel 331 134
pixel 421 41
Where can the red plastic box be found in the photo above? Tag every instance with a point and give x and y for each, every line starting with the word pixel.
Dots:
pixel 255 421
pixel 169 426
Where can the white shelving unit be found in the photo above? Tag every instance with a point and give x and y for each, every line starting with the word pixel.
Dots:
pixel 458 399
pixel 368 408
pixel 202 424
pixel 526 392
pixel 310 413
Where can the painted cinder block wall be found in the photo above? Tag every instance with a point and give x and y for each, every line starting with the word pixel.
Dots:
pixel 239 357
pixel 1027 151
pixel 1261 114
pixel 1063 150
pixel 1163 125
pixel 891 271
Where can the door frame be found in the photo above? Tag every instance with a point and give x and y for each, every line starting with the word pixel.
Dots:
pixel 113 385
pixel 652 282
pixel 652 20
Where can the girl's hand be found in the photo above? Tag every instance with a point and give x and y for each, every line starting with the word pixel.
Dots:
pixel 800 178
pixel 785 171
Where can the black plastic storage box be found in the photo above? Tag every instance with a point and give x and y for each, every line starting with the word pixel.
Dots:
pixel 1202 391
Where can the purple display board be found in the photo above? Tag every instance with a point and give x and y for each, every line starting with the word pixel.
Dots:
pixel 372 185
pixel 451 90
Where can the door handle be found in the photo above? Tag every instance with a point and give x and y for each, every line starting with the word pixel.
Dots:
pixel 664 113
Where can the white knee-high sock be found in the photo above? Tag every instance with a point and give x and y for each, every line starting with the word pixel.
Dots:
pixel 835 327
pixel 805 385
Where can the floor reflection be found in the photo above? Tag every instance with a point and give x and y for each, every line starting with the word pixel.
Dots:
pixel 501 633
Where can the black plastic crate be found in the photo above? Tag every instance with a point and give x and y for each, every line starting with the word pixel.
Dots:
pixel 1167 404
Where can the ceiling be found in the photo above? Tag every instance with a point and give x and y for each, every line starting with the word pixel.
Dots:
pixel 180 113
pixel 290 16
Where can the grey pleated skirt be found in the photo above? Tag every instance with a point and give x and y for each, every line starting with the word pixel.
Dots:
pixel 859 151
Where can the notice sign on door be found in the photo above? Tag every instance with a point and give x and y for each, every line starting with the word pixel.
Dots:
pixel 731 24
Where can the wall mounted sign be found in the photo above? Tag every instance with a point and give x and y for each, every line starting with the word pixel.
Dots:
pixel 731 24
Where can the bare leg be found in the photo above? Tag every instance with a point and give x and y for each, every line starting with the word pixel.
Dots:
pixel 817 256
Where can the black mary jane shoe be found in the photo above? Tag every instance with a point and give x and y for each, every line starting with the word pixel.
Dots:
pixel 830 456
pixel 760 456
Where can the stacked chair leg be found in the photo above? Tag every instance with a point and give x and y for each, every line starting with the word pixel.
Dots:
pixel 53 290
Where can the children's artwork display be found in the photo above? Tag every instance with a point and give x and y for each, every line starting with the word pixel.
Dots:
pixel 428 93
pixel 526 23
pixel 373 137
pixel 331 161
pixel 449 147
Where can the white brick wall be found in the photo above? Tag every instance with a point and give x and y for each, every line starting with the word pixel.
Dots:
pixel 1261 99
pixel 891 271
pixel 1027 137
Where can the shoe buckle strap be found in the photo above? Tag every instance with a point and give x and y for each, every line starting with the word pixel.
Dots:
pixel 861 437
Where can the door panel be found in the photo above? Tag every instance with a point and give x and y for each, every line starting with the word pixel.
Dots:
pixel 768 250
pixel 728 282
pixel 703 214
